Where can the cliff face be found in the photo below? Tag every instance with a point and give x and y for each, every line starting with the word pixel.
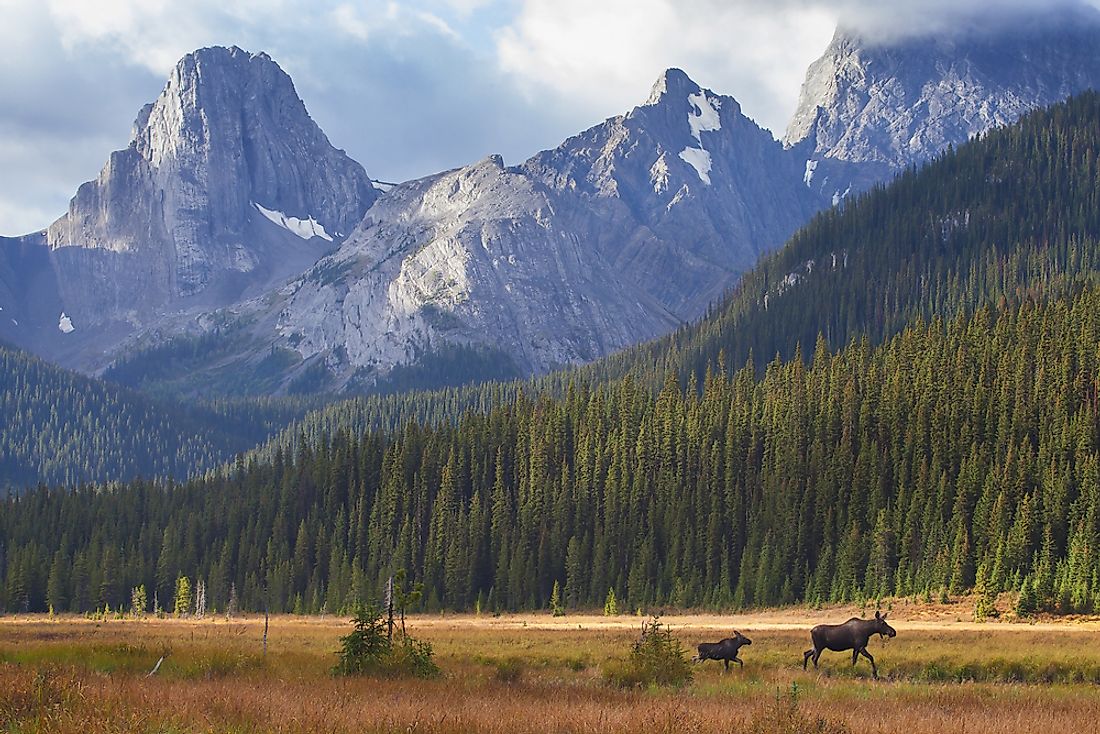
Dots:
pixel 868 110
pixel 618 235
pixel 227 188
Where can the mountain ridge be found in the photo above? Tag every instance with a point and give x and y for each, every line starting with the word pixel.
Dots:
pixel 869 109
pixel 617 235
pixel 227 187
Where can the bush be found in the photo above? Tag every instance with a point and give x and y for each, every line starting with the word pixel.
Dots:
pixel 656 659
pixel 412 657
pixel 368 650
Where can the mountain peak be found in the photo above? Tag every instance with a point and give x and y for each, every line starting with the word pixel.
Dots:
pixel 672 82
pixel 227 186
pixel 875 103
pixel 234 65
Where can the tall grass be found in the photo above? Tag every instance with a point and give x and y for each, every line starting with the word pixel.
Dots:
pixel 72 677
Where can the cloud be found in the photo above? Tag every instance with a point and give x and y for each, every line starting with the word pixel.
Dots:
pixel 606 54
pixel 602 53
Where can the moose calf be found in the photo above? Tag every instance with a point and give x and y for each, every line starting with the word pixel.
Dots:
pixel 726 650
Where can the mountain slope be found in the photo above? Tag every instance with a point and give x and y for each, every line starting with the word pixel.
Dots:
pixel 227 188
pixel 64 428
pixel 869 109
pixel 952 455
pixel 616 236
pixel 1011 216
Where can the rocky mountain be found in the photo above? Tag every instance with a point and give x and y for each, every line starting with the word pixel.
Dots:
pixel 870 108
pixel 619 234
pixel 227 188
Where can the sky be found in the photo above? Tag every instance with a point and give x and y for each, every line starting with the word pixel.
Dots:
pixel 410 87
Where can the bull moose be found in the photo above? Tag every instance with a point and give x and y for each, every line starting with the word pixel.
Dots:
pixel 726 650
pixel 852 635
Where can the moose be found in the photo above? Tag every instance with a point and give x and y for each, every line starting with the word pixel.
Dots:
pixel 852 635
pixel 726 650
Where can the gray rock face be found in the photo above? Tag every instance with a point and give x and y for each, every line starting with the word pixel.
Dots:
pixel 868 110
pixel 618 235
pixel 227 188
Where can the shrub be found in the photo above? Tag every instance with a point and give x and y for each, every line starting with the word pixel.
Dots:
pixel 656 658
pixel 369 650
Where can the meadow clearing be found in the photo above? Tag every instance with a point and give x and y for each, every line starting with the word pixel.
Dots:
pixel 536 673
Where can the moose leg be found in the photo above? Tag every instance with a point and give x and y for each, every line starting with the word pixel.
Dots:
pixel 874 668
pixel 817 655
pixel 727 662
pixel 805 658
pixel 739 661
pixel 855 655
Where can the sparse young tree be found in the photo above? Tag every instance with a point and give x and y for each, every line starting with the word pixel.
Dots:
pixel 611 604
pixel 183 596
pixel 138 601
pixel 556 608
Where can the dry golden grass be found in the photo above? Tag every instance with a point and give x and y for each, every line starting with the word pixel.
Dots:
pixel 536 673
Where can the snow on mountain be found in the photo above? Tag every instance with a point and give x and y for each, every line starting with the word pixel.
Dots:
pixel 169 227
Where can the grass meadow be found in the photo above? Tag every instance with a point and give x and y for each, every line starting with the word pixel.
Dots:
pixel 537 673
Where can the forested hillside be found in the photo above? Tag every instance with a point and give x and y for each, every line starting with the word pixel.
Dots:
pixel 1014 215
pixel 60 427
pixel 954 452
pixel 1010 216
pixel 940 433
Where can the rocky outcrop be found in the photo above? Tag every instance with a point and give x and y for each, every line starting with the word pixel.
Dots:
pixel 869 109
pixel 618 235
pixel 227 188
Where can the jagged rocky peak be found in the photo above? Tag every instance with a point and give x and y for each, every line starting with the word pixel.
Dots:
pixel 673 83
pixel 682 100
pixel 619 234
pixel 225 172
pixel 874 104
pixel 238 112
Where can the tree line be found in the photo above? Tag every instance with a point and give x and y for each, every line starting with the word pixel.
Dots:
pixel 957 454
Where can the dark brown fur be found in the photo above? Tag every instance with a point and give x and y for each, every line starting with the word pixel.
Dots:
pixel 726 650
pixel 852 635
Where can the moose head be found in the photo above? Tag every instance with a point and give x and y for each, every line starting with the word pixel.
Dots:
pixel 883 629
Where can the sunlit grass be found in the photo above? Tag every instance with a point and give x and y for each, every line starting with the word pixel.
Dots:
pixel 74 675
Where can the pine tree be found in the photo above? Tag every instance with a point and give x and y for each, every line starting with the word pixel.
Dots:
pixel 556 608
pixel 182 597
pixel 138 601
pixel 611 604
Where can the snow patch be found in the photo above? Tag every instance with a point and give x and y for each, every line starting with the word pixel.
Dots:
pixel 65 324
pixel 658 175
pixel 704 114
pixel 698 159
pixel 304 228
pixel 808 176
pixel 839 197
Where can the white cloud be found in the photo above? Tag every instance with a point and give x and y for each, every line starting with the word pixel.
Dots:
pixel 601 54
pixel 604 55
